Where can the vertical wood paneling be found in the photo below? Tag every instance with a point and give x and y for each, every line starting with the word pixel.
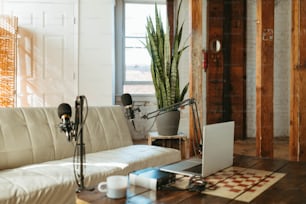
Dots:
pixel 297 143
pixel 170 15
pixel 196 71
pixel 302 82
pixel 226 69
pixel 238 67
pixel 214 82
pixel 264 78
pixel 294 136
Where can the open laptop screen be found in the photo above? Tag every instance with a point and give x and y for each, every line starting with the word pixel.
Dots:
pixel 217 153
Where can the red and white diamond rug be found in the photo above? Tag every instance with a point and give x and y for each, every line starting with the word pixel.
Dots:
pixel 240 184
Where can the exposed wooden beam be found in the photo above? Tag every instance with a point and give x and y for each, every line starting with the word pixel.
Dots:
pixel 215 69
pixel 294 133
pixel 170 15
pixel 264 78
pixel 297 141
pixel 226 49
pixel 225 76
pixel 196 70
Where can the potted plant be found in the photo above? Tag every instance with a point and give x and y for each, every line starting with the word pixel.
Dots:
pixel 164 68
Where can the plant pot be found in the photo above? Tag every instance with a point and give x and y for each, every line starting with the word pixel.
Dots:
pixel 167 123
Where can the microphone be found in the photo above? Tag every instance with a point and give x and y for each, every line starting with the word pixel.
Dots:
pixel 64 113
pixel 128 105
pixel 79 101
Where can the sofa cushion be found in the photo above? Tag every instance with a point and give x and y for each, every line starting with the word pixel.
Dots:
pixel 53 182
pixel 31 135
pixel 106 128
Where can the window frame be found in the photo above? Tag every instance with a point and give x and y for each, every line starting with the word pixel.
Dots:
pixel 120 49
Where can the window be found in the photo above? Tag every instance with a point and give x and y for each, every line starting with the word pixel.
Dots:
pixel 136 75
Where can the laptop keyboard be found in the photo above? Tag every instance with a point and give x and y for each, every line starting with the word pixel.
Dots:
pixel 195 169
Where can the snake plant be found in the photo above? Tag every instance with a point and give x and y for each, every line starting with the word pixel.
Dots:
pixel 164 61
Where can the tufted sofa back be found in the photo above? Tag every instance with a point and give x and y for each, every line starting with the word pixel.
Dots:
pixel 32 135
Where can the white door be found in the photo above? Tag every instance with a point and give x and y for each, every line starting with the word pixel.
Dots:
pixel 47 51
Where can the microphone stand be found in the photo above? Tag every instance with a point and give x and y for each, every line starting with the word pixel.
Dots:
pixel 79 103
pixel 74 131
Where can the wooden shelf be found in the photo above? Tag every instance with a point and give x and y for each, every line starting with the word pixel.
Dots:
pixel 179 141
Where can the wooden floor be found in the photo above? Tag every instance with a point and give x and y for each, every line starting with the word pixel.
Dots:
pixel 248 147
pixel 291 189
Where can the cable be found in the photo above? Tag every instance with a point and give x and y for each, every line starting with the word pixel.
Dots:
pixel 79 146
pixel 76 176
pixel 151 125
pixel 195 184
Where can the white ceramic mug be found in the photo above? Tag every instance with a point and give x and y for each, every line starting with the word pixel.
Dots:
pixel 115 186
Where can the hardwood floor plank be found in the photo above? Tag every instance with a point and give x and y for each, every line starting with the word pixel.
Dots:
pixel 291 189
pixel 245 161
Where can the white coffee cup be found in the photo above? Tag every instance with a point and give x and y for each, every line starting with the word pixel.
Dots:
pixel 115 186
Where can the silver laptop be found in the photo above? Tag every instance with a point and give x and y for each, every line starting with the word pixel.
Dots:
pixel 217 152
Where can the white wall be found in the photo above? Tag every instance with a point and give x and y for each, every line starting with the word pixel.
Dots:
pixel 47 49
pixel 282 47
pixel 96 51
pixel 184 66
pixel 251 69
pixel 91 73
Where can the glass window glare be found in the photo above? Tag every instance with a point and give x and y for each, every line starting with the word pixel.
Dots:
pixel 137 75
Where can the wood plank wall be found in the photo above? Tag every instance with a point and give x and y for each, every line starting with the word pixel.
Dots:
pixel 264 78
pixel 297 141
pixel 214 73
pixel 238 67
pixel 226 73
pixel 170 15
pixel 196 69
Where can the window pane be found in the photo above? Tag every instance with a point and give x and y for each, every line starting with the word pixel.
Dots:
pixel 137 72
pixel 137 60
pixel 136 17
pixel 139 89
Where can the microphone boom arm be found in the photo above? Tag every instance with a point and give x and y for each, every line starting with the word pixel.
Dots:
pixel 175 106
pixel 197 144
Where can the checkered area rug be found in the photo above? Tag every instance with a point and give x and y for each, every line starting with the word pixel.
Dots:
pixel 241 184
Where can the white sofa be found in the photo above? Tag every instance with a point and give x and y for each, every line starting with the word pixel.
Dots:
pixel 36 158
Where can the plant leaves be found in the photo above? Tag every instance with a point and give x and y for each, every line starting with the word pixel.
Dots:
pixel 164 61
